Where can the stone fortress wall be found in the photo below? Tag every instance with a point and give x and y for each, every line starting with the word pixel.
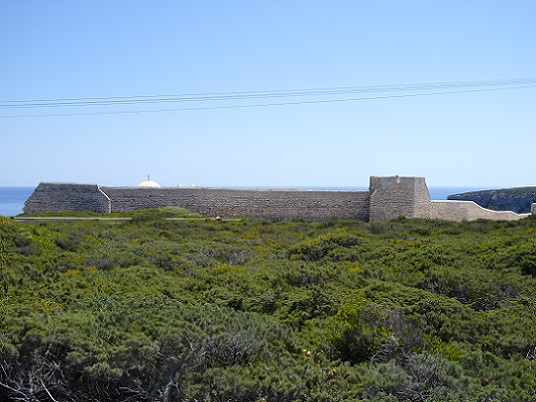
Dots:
pixel 58 197
pixel 387 198
pixel 470 211
pixel 391 197
pixel 266 204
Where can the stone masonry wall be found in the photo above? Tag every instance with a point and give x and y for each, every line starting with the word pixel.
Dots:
pixel 469 211
pixel 396 196
pixel 57 197
pixel 388 198
pixel 274 205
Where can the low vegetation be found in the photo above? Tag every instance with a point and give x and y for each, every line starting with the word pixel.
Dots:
pixel 208 310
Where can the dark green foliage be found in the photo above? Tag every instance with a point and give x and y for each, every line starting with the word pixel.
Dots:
pixel 196 309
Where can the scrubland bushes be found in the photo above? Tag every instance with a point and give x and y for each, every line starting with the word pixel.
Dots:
pixel 201 310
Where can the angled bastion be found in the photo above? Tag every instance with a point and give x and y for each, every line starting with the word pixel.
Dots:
pixel 72 197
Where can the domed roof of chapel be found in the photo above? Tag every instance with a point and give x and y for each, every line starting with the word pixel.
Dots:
pixel 149 183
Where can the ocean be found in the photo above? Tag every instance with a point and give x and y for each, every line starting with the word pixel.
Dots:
pixel 12 198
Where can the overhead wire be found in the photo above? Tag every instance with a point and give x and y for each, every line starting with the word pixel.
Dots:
pixel 255 94
pixel 457 87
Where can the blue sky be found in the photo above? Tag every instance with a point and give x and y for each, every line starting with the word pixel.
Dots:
pixel 101 49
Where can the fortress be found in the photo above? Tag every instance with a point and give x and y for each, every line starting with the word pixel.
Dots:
pixel 387 198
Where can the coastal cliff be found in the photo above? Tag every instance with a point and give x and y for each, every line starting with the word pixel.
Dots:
pixel 517 199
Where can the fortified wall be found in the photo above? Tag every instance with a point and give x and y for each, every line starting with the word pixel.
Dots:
pixel 391 197
pixel 266 204
pixel 58 197
pixel 469 211
pixel 387 198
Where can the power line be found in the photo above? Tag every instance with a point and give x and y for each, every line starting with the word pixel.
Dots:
pixel 99 101
pixel 473 86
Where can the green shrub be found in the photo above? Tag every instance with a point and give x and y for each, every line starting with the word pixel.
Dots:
pixel 154 310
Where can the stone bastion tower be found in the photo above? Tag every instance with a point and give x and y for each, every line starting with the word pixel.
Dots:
pixel 391 197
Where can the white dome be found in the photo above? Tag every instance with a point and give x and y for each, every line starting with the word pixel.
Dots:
pixel 149 183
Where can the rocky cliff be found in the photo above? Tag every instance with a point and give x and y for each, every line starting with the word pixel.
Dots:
pixel 517 199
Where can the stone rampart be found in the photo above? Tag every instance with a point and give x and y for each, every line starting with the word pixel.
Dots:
pixel 57 197
pixel 469 211
pixel 396 196
pixel 274 205
pixel 388 198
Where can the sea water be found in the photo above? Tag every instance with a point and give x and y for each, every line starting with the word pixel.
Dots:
pixel 12 198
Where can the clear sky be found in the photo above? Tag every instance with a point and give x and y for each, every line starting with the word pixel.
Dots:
pixel 108 49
